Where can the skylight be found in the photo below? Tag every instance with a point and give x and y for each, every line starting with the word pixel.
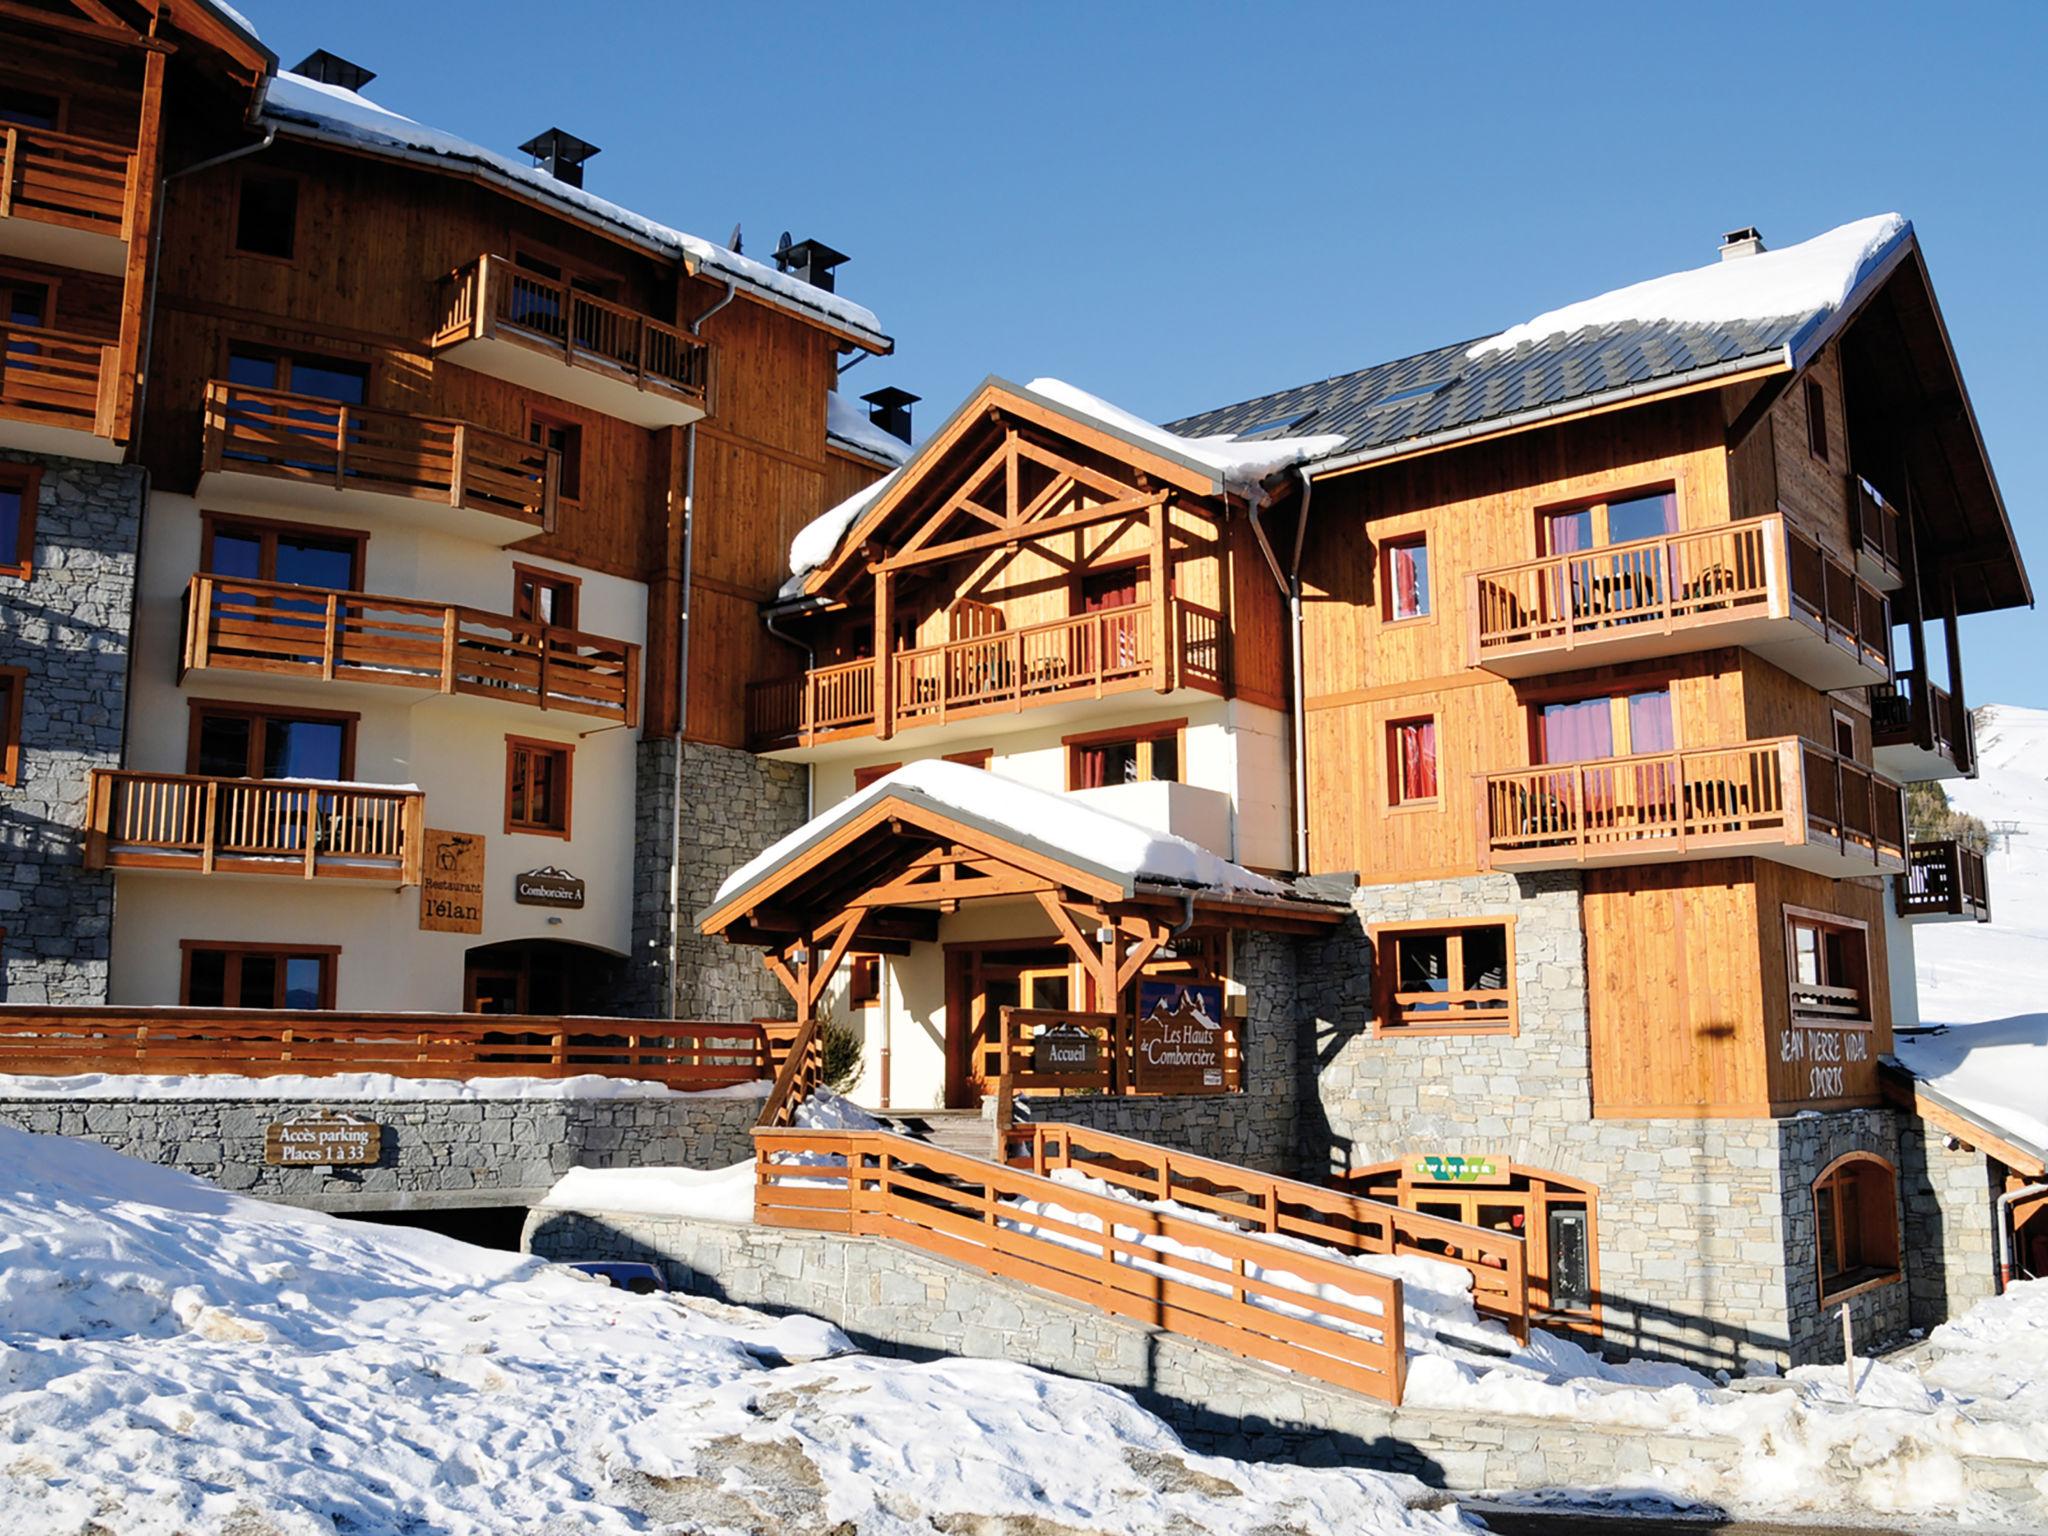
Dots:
pixel 1412 392
pixel 1277 425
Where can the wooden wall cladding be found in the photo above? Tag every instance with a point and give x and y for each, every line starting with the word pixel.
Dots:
pixel 1814 492
pixel 99 85
pixel 1849 1075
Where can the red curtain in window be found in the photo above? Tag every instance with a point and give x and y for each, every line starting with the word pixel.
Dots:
pixel 1408 581
pixel 1418 761
pixel 1091 767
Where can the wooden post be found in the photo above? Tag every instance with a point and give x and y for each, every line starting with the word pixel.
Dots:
pixel 1162 597
pixel 329 637
pixel 1951 641
pixel 144 171
pixel 311 830
pixel 340 447
pixel 458 468
pixel 208 836
pixel 10 138
pixel 449 623
pixel 885 668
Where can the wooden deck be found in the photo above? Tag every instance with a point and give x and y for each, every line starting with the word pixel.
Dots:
pixel 266 1042
pixel 452 475
pixel 194 824
pixel 65 199
pixel 1088 655
pixel 281 631
pixel 552 336
pixel 1918 734
pixel 1786 799
pixel 1944 879
pixel 62 387
pixel 1760 584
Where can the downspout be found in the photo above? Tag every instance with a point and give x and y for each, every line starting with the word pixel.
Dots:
pixel 2006 1202
pixel 810 662
pixel 1289 583
pixel 675 839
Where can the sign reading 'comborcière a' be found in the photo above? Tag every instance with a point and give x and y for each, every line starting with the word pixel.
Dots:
pixel 548 888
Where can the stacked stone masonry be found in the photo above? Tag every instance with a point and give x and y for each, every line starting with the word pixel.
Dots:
pixel 67 624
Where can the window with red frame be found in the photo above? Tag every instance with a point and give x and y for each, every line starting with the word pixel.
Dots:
pixel 1411 761
pixel 1407 579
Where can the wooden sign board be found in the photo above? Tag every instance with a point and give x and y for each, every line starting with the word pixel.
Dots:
pixel 1456 1168
pixel 1066 1050
pixel 1179 1045
pixel 1054 1049
pixel 324 1140
pixel 452 882
pixel 548 888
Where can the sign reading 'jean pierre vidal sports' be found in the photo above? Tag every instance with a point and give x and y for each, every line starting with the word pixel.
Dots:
pixel 548 888
pixel 1180 1043
pixel 452 882
pixel 323 1140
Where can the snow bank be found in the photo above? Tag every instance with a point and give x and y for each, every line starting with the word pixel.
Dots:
pixel 714 1194
pixel 844 419
pixel 1056 820
pixel 1815 275
pixel 352 1085
pixel 346 114
pixel 174 1359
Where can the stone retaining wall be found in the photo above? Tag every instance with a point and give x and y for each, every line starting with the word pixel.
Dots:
pixel 437 1152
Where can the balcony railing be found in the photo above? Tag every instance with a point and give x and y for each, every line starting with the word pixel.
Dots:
pixel 393 453
pixel 1087 655
pixel 1944 878
pixel 490 297
pixel 1760 582
pixel 1784 798
pixel 273 628
pixel 204 825
pixel 1877 534
pixel 58 378
pixel 59 178
pixel 1917 730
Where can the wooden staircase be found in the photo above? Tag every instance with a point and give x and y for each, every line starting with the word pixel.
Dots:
pixel 965 1131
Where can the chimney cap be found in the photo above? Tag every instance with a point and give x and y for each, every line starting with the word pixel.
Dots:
pixel 558 144
pixel 333 69
pixel 1746 241
pixel 815 254
pixel 889 396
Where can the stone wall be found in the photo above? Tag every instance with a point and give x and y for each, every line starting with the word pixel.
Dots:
pixel 1256 1128
pixel 437 1152
pixel 1703 1227
pixel 1951 1233
pixel 68 624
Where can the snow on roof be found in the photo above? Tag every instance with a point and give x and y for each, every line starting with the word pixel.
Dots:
pixel 1240 466
pixel 1815 275
pixel 1996 1072
pixel 1063 824
pixel 845 420
pixel 336 113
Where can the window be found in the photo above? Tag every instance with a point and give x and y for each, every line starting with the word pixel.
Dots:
pixel 537 786
pixel 980 757
pixel 1620 519
pixel 1411 762
pixel 544 596
pixel 1816 420
pixel 1829 958
pixel 864 981
pixel 13 685
pixel 1148 755
pixel 873 773
pixel 20 485
pixel 300 373
pixel 253 741
pixel 566 438
pixel 267 215
pixel 30 108
pixel 25 301
pixel 1404 578
pixel 258 975
pixel 294 553
pixel 1443 977
pixel 1845 734
pixel 1856 1225
pixel 1605 725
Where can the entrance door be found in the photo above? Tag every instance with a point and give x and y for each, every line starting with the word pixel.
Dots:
pixel 493 991
pixel 980 983
pixel 539 976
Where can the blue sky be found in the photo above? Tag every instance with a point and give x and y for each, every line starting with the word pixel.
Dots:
pixel 1176 206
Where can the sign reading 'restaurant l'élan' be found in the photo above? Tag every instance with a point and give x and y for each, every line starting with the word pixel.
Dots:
pixel 452 882
pixel 323 1140
pixel 548 888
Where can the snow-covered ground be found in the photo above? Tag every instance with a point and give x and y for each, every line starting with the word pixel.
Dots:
pixel 178 1359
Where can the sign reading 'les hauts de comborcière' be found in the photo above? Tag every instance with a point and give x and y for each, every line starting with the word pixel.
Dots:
pixel 548 888
pixel 1180 1044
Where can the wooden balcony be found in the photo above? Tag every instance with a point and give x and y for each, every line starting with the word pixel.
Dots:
pixel 1784 799
pixel 291 635
pixel 59 392
pixel 1085 656
pixel 1944 880
pixel 64 200
pixel 192 824
pixel 550 336
pixel 1760 584
pixel 265 447
pixel 1918 734
pixel 1874 526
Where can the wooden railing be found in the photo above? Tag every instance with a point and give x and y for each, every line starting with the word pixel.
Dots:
pixel 211 825
pixel 1085 655
pixel 324 442
pixel 1240 1291
pixel 1261 1202
pixel 799 1059
pixel 268 626
pixel 59 178
pixel 266 1042
pixel 1678 581
pixel 1117 1069
pixel 1876 527
pixel 491 294
pixel 1910 711
pixel 1784 790
pixel 58 378
pixel 1944 878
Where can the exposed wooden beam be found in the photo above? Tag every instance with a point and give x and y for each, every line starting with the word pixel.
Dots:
pixel 933 554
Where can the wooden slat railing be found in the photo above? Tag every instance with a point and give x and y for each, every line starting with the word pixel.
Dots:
pixel 1085 655
pixel 1849 804
pixel 1239 1291
pixel 214 825
pixel 1876 527
pixel 265 1042
pixel 60 178
pixel 268 626
pixel 1910 711
pixel 1261 1202
pixel 1678 581
pixel 58 377
pixel 799 1057
pixel 395 453
pixel 491 296
pixel 1944 878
